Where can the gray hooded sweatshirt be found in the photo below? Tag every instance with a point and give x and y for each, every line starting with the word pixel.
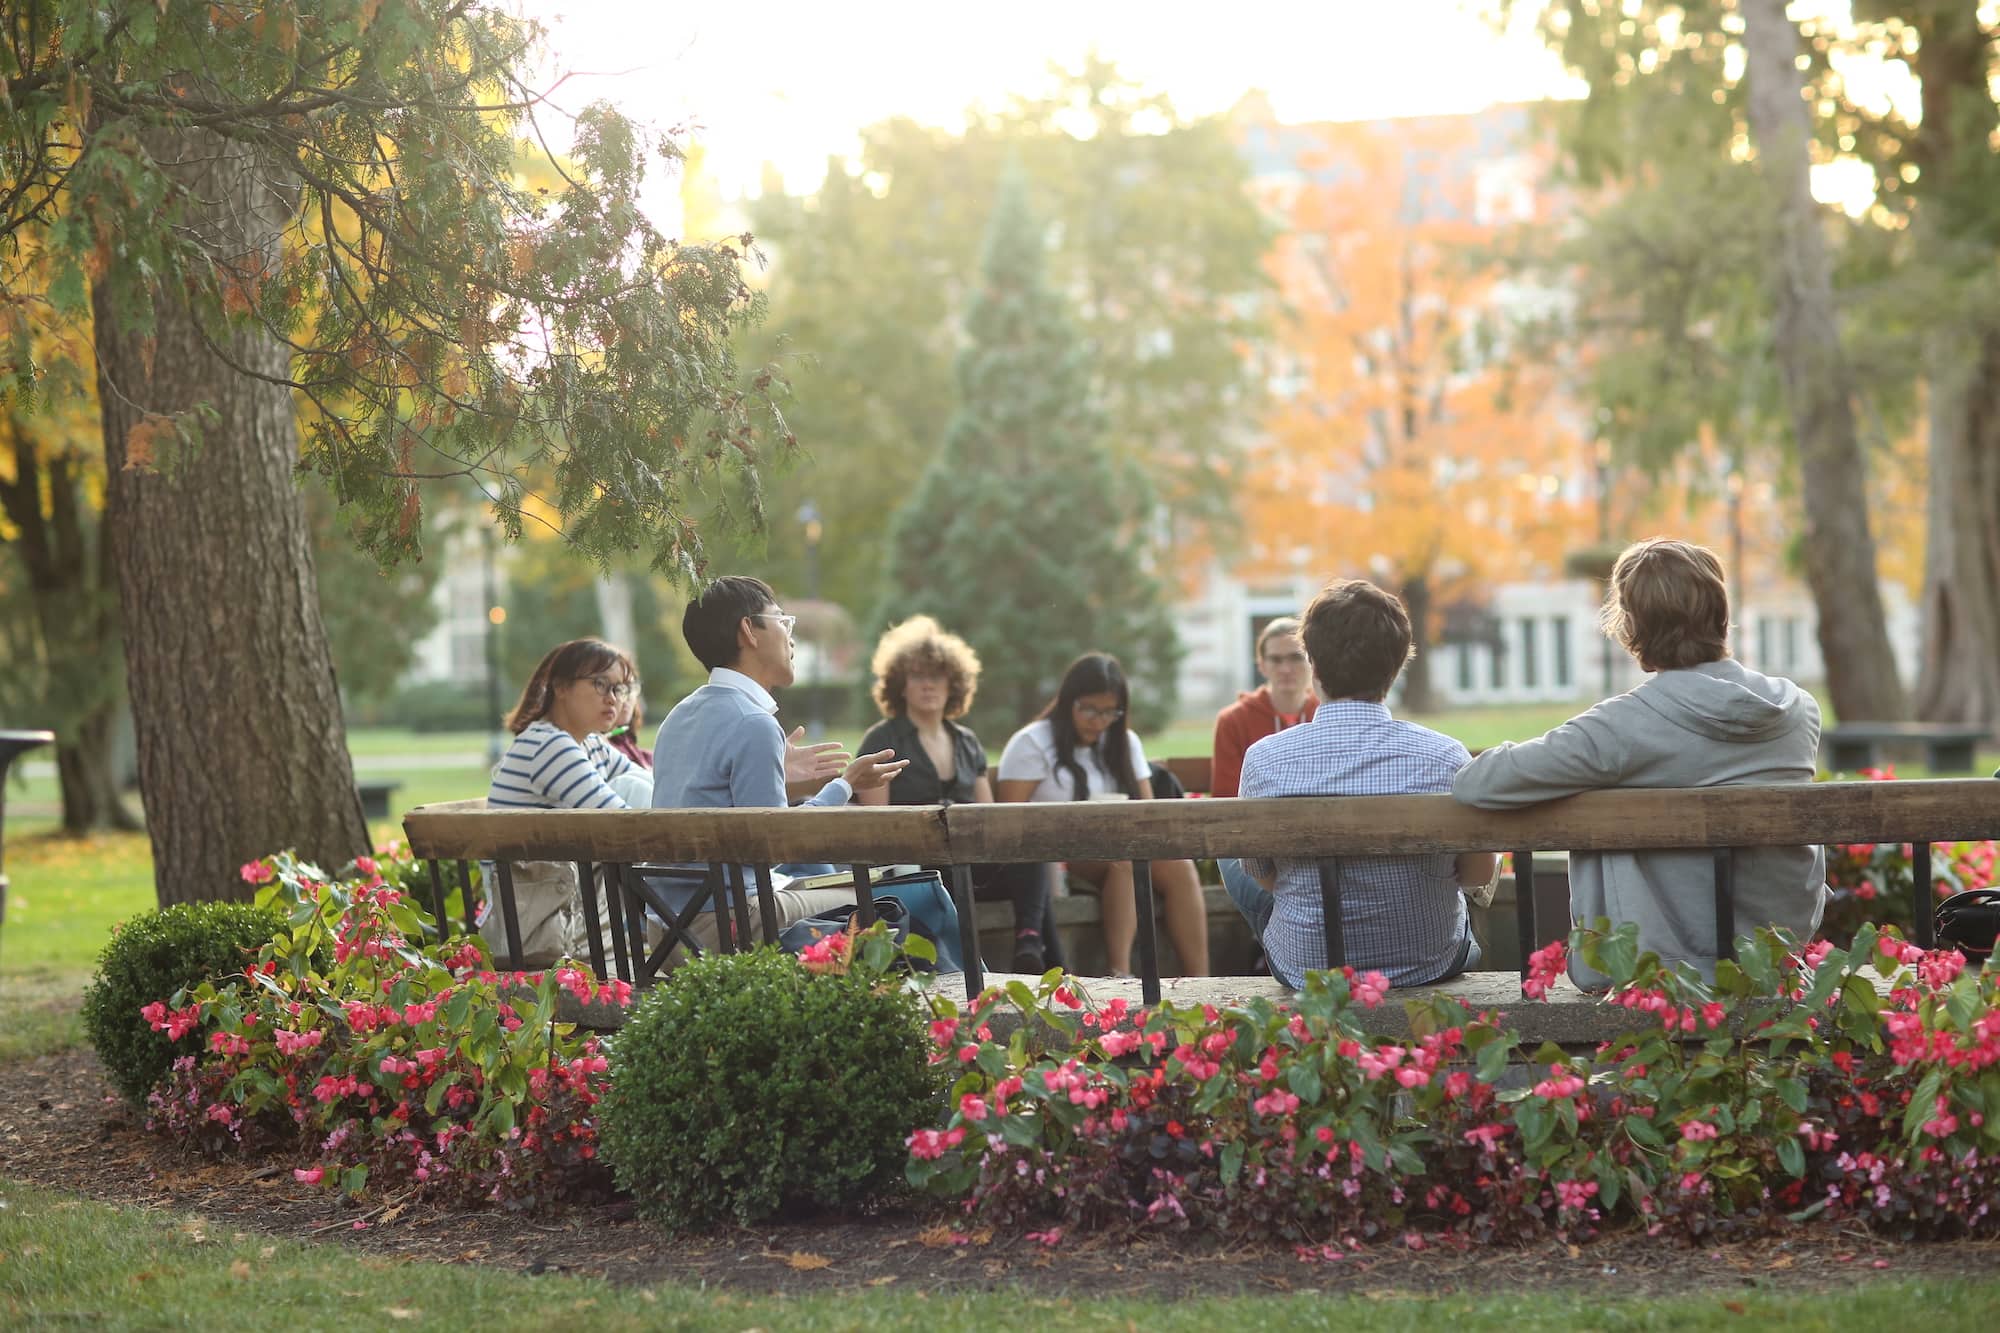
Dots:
pixel 1719 724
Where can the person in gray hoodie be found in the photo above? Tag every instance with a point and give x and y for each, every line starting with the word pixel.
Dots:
pixel 1702 719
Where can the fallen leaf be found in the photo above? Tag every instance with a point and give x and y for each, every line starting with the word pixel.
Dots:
pixel 399 1312
pixel 1575 1252
pixel 240 1270
pixel 269 1251
pixel 391 1214
pixel 882 1281
pixel 801 1262
pixel 1783 1261
pixel 1735 1307
pixel 983 1236
pixel 938 1236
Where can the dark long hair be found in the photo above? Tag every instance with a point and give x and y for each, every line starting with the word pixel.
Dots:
pixel 1093 673
pixel 565 662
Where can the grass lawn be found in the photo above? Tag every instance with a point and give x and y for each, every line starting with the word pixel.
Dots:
pixel 72 1262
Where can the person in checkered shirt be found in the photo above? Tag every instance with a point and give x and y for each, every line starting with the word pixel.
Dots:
pixel 1404 916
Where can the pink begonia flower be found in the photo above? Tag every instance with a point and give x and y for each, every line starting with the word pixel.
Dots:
pixel 309 1175
pixel 1699 1131
pixel 1119 1043
pixel 1370 988
pixel 972 1107
pixel 256 872
pixel 1545 966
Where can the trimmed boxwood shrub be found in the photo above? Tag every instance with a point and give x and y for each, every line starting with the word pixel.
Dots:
pixel 744 1086
pixel 150 958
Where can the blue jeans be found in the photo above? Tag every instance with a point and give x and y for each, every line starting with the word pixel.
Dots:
pixel 1251 898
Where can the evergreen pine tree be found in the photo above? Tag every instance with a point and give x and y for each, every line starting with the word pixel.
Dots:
pixel 1022 535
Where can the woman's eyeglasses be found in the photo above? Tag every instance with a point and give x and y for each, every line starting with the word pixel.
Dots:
pixel 1105 715
pixel 621 690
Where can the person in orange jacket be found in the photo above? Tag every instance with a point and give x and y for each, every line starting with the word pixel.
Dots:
pixel 1285 699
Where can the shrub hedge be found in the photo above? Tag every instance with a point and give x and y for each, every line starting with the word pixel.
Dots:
pixel 747 1085
pixel 152 958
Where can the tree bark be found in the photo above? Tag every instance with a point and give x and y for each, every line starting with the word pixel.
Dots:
pixel 1960 680
pixel 1419 696
pixel 1961 604
pixel 1839 545
pixel 242 750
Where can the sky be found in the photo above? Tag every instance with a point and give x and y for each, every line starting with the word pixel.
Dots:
pixel 791 82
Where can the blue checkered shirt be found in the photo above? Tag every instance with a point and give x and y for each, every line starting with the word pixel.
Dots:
pixel 1401 915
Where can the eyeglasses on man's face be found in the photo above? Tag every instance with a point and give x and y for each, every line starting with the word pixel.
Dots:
pixel 785 622
pixel 621 690
pixel 1088 713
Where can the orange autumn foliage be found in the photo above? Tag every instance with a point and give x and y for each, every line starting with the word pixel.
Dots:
pixel 1403 447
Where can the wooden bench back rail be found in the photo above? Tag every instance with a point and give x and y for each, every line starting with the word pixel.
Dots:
pixel 1320 829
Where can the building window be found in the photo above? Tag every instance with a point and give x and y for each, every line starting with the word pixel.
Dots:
pixel 1528 666
pixel 1464 654
pixel 468 656
pixel 1559 627
pixel 1764 660
pixel 1496 656
pixel 1791 643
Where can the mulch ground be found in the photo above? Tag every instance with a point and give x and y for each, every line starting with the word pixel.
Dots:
pixel 61 1127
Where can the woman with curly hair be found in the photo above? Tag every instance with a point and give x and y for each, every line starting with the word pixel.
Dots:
pixel 925 679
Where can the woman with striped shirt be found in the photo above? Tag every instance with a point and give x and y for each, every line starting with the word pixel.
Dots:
pixel 559 759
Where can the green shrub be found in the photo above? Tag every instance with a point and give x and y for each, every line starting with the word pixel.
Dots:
pixel 743 1086
pixel 151 957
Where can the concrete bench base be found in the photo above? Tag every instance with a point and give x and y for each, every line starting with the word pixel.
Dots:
pixel 1231 950
pixel 1568 1017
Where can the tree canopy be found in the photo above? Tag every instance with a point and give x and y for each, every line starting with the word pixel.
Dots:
pixel 441 319
pixel 1154 239
pixel 1023 533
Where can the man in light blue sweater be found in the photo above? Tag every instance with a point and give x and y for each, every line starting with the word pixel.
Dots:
pixel 722 747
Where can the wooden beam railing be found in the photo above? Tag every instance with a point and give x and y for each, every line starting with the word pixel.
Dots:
pixel 1319 829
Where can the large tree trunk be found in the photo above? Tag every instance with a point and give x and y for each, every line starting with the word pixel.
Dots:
pixel 1960 681
pixel 1839 545
pixel 242 750
pixel 1418 694
pixel 1961 606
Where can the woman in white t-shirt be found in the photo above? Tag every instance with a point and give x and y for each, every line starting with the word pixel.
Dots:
pixel 1080 749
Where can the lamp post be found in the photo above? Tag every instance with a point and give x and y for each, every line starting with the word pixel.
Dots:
pixel 496 616
pixel 810 525
pixel 1600 450
pixel 11 744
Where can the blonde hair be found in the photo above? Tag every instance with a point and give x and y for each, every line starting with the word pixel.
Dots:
pixel 1668 605
pixel 921 646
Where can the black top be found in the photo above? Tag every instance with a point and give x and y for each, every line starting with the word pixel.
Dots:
pixel 919 783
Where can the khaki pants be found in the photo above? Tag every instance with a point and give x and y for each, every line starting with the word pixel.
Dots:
pixel 793 905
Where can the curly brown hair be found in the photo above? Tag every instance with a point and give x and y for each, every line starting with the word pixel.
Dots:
pixel 921 646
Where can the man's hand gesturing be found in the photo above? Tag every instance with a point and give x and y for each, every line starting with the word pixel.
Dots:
pixel 815 764
pixel 872 770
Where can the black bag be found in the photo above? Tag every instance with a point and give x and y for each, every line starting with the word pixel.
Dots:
pixel 1165 784
pixel 1970 922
